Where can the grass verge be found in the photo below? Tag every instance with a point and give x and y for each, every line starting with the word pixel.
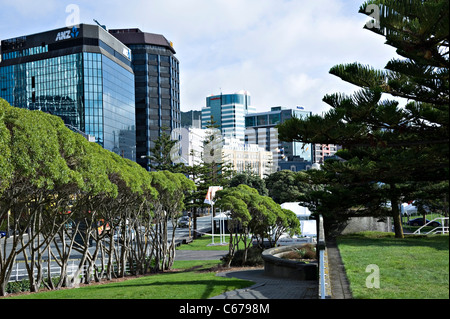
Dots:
pixel 416 267
pixel 191 280
pixel 203 243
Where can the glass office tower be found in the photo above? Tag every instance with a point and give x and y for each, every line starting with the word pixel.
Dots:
pixel 261 130
pixel 228 111
pixel 157 87
pixel 82 75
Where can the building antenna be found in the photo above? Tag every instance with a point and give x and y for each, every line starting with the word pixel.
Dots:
pixel 100 25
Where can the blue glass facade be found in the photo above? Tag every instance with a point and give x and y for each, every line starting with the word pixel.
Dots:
pixel 52 85
pixel 157 88
pixel 228 111
pixel 261 129
pixel 157 96
pixel 118 109
pixel 91 90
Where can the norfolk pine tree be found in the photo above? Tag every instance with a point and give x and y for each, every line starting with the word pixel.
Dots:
pixel 388 148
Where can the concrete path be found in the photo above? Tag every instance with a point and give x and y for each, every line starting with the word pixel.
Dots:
pixel 199 254
pixel 267 287
pixel 340 287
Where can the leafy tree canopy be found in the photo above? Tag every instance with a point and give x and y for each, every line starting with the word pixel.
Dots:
pixel 387 148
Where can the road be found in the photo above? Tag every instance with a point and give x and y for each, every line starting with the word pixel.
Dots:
pixel 181 234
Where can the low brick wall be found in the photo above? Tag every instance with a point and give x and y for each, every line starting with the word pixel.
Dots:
pixel 276 266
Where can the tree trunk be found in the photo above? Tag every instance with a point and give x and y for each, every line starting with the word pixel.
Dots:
pixel 397 218
pixel 246 248
pixel 230 251
pixel 194 216
pixel 6 270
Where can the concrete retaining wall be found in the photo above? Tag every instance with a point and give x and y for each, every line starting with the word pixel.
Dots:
pixel 358 224
pixel 276 266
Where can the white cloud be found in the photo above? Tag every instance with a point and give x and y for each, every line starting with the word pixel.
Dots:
pixel 284 56
pixel 279 50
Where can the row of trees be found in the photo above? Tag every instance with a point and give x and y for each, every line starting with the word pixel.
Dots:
pixel 57 188
pixel 245 195
pixel 60 193
pixel 391 153
pixel 214 171
pixel 256 215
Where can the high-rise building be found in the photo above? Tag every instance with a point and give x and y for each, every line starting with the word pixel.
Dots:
pixel 81 74
pixel 228 111
pixel 157 87
pixel 241 157
pixel 247 157
pixel 322 151
pixel 191 145
pixel 261 130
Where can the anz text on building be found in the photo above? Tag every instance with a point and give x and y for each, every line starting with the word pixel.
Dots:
pixel 81 74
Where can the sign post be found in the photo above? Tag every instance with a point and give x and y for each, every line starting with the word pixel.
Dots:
pixel 209 200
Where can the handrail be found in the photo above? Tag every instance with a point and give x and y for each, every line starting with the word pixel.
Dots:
pixel 444 228
pixel 322 274
pixel 321 248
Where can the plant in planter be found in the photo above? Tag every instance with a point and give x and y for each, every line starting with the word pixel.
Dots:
pixel 306 252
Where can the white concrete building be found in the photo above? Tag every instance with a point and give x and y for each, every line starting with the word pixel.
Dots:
pixel 247 157
pixel 190 145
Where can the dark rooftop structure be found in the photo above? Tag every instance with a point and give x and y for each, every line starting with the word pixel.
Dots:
pixel 136 36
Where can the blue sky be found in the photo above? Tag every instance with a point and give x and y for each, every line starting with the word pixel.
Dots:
pixel 278 50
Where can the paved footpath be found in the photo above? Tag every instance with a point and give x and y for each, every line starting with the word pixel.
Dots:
pixel 340 287
pixel 199 254
pixel 267 287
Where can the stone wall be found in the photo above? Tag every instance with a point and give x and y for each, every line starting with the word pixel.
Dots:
pixel 358 224
pixel 276 266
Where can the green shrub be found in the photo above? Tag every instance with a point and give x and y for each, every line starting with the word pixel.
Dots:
pixel 18 286
pixel 253 258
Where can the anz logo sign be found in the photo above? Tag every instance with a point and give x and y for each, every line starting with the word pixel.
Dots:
pixel 127 52
pixel 68 34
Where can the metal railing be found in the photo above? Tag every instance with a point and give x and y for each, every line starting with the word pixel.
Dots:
pixel 324 279
pixel 18 274
pixel 442 228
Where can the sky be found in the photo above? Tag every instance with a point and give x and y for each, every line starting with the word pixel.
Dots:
pixel 280 51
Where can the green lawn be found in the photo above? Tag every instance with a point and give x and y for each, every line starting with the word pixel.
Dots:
pixel 193 281
pixel 204 243
pixel 416 267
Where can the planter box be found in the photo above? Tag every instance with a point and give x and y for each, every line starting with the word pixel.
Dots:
pixel 276 266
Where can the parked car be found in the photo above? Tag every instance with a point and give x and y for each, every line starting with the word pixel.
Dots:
pixel 183 221
pixel 2 233
pixel 419 222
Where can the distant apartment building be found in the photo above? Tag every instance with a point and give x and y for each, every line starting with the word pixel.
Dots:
pixel 242 157
pixel 228 112
pixel 261 130
pixel 157 83
pixel 191 145
pixel 247 157
pixel 191 119
pixel 82 74
pixel 323 151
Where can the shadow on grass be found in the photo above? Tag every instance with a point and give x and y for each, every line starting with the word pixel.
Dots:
pixel 192 284
pixel 439 242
